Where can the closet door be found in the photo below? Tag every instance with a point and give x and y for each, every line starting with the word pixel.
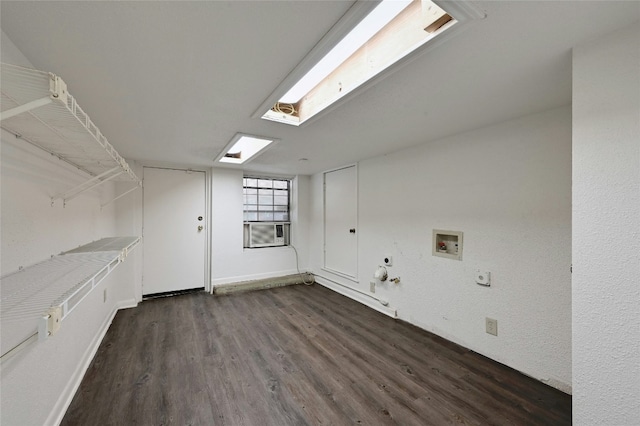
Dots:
pixel 340 221
pixel 173 230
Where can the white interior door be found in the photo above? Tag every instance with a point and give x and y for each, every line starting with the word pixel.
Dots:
pixel 174 230
pixel 340 220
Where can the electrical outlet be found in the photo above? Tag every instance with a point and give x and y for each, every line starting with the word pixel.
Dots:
pixel 492 326
pixel 372 286
pixel 388 260
pixel 104 296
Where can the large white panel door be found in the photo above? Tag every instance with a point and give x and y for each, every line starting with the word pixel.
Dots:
pixel 174 230
pixel 340 220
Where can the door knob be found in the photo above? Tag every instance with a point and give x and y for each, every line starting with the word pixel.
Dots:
pixel 200 228
pixel 352 230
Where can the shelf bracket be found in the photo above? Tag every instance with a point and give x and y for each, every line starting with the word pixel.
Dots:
pixel 90 184
pixel 49 324
pixel 25 107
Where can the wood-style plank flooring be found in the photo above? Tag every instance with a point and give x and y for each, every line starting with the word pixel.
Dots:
pixel 295 355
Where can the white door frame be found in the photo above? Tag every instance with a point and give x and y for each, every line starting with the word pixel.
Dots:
pixel 207 215
pixel 324 223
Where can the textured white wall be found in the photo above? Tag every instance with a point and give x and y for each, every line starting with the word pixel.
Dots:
pixel 230 261
pixel 508 189
pixel 36 385
pixel 606 230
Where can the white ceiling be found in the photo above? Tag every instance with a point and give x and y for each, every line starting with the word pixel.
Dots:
pixel 172 82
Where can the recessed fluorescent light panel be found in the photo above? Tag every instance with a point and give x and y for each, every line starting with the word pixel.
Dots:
pixel 242 148
pixel 391 31
pixel 362 33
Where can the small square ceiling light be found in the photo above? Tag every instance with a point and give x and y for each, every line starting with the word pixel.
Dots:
pixel 242 148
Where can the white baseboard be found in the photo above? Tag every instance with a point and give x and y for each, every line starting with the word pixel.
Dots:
pixel 67 394
pixel 126 304
pixel 357 296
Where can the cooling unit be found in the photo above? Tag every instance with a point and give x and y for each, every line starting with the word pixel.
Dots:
pixel 266 234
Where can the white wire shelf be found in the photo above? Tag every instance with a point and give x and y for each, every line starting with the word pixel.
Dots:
pixel 107 244
pixel 36 107
pixel 31 296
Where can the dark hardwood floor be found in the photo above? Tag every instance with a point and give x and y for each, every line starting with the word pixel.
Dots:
pixel 295 355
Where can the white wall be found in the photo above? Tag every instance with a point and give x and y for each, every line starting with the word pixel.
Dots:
pixel 32 229
pixel 606 230
pixel 129 222
pixel 508 189
pixel 230 261
pixel 37 384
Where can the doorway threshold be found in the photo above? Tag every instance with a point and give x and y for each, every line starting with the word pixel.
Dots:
pixel 171 293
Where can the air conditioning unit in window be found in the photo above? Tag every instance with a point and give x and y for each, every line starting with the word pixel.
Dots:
pixel 266 235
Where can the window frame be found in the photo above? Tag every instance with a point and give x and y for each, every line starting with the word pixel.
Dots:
pixel 245 211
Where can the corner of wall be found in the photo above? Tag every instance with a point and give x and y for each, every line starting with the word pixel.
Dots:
pixel 515 213
pixel 606 248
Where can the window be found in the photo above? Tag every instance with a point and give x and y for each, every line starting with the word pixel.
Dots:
pixel 266 199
